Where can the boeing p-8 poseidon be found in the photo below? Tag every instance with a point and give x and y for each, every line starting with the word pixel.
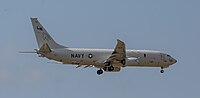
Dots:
pixel 108 60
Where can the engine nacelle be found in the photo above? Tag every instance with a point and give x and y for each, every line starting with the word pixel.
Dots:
pixel 132 61
pixel 116 69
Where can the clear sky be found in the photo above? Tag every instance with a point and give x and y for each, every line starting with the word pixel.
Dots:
pixel 172 26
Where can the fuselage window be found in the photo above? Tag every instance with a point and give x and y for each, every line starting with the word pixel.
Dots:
pixel 145 55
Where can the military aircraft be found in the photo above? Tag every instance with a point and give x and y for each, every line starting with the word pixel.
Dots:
pixel 108 60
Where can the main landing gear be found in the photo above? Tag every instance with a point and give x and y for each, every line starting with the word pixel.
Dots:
pixel 162 71
pixel 100 71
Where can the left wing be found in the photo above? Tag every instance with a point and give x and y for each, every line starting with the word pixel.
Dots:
pixel 118 55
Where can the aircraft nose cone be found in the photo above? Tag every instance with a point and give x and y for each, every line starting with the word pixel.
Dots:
pixel 174 60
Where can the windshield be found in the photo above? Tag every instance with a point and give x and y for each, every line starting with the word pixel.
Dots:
pixel 168 55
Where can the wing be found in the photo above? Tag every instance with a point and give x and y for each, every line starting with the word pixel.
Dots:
pixel 118 55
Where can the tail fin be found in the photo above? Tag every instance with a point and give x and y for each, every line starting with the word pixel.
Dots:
pixel 43 36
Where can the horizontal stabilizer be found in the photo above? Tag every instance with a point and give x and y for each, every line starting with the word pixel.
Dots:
pixel 45 49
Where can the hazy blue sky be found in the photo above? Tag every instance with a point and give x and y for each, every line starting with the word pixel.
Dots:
pixel 172 26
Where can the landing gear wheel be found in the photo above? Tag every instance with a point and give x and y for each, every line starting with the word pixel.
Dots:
pixel 111 68
pixel 100 71
pixel 162 71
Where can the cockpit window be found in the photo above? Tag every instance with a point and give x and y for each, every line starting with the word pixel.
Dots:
pixel 168 55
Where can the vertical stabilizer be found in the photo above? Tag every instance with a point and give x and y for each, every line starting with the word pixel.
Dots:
pixel 42 36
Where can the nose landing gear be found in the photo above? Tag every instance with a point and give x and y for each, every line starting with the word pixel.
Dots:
pixel 162 71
